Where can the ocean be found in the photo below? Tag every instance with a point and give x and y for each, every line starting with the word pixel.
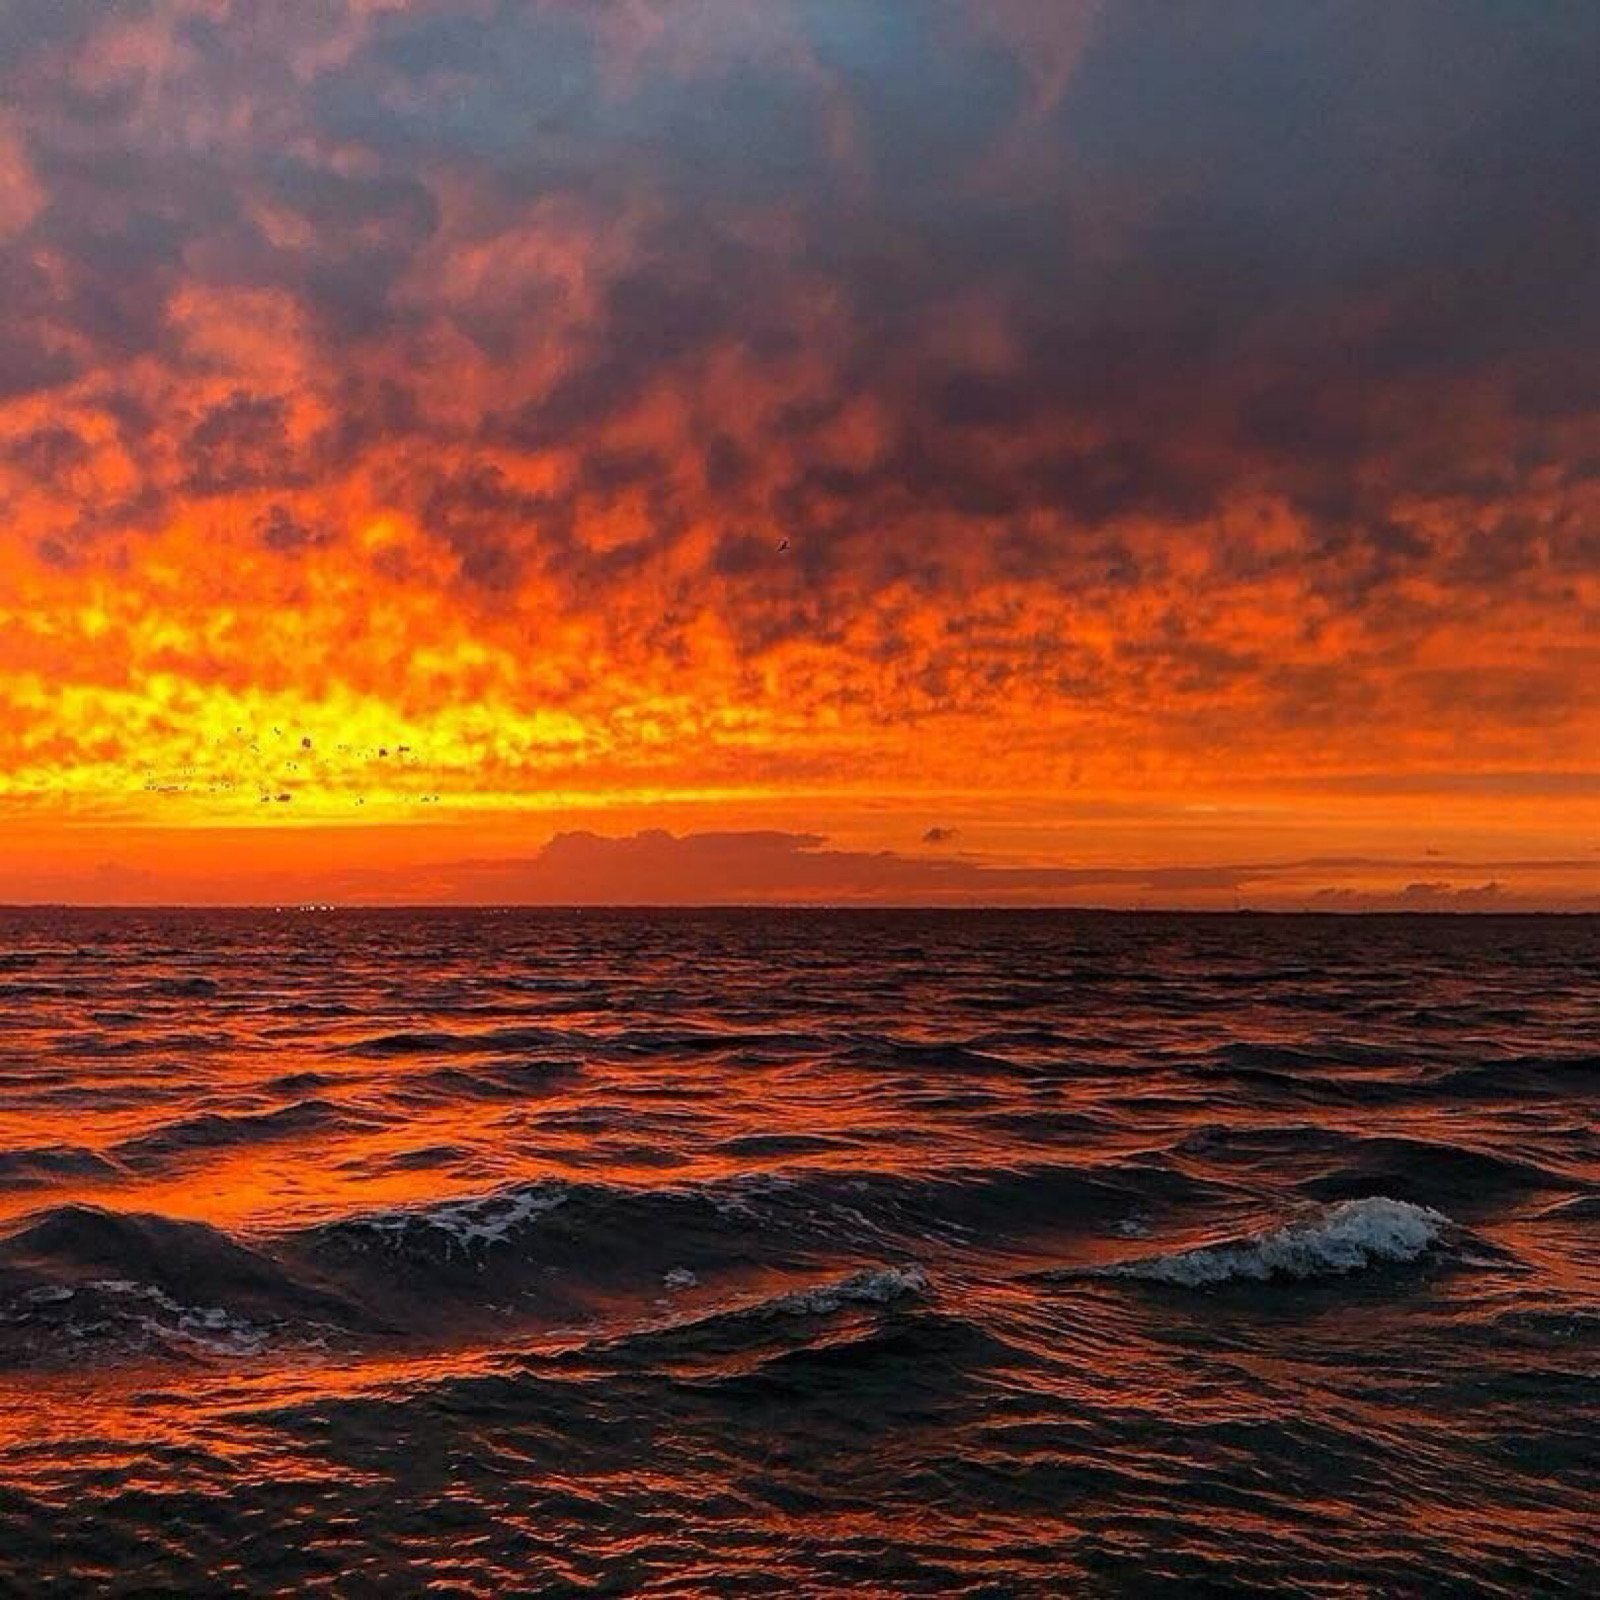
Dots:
pixel 803 1253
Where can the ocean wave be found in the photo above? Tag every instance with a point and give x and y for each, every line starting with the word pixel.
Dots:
pixel 79 1279
pixel 1248 1054
pixel 188 988
pixel 85 1043
pixel 772 1215
pixel 467 1226
pixel 1336 1240
pixel 1253 1143
pixel 72 1242
pixel 1336 1164
pixel 488 1080
pixel 553 1240
pixel 494 1041
pixel 783 1144
pixel 221 1130
pixel 107 1319
pixel 1429 1173
pixel 421 1158
pixel 881 1053
pixel 46 1164
pixel 725 1328
pixel 875 1286
pixel 88 1237
pixel 1517 1077
pixel 302 1082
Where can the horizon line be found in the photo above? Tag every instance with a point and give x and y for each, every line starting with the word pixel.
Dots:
pixel 321 908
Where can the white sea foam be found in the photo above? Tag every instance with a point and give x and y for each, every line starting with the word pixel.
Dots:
pixel 733 1198
pixel 50 1294
pixel 153 1318
pixel 1333 1240
pixel 872 1286
pixel 464 1224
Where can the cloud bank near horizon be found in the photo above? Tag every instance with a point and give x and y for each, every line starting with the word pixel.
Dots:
pixel 656 867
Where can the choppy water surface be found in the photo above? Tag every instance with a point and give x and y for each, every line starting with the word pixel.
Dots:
pixel 801 1253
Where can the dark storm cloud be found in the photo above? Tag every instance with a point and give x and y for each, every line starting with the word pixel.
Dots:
pixel 486 521
pixel 280 530
pixel 240 444
pixel 49 452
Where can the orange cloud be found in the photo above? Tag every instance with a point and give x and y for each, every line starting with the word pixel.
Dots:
pixel 437 413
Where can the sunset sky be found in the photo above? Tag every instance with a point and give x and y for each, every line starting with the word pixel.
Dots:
pixel 1012 451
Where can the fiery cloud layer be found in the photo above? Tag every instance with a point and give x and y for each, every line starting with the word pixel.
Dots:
pixel 902 421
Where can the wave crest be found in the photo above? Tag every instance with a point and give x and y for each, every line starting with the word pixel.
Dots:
pixel 465 1225
pixel 1335 1240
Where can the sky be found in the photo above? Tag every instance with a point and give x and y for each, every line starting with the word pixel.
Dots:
pixel 917 451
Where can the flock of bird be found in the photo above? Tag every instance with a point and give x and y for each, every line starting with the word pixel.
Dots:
pixel 278 788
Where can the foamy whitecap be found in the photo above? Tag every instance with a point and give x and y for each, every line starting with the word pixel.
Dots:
pixel 1333 1240
pixel 735 1197
pixel 140 1316
pixel 873 1286
pixel 465 1224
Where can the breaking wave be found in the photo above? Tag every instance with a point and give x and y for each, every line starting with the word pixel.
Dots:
pixel 1337 1239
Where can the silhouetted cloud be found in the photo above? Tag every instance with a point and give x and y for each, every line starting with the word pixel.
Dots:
pixel 770 866
pixel 1442 896
pixel 657 867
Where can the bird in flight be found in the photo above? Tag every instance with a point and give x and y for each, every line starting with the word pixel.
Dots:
pixel 782 547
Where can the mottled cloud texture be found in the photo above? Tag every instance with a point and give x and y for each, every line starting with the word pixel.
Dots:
pixel 484 406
